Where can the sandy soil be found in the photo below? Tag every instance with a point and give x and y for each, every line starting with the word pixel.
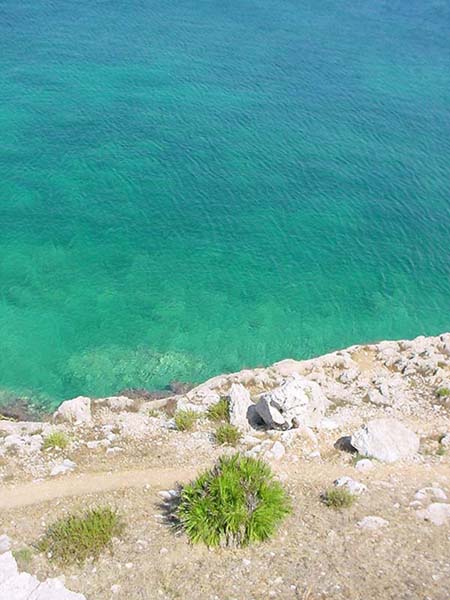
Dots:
pixel 318 553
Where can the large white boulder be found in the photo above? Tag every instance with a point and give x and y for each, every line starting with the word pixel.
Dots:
pixel 387 440
pixel 240 403
pixel 296 402
pixel 23 586
pixel 77 411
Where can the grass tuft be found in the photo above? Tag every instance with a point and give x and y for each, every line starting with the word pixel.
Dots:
pixel 443 392
pixel 57 439
pixel 235 503
pixel 220 411
pixel 338 497
pixel 75 538
pixel 185 419
pixel 228 434
pixel 23 557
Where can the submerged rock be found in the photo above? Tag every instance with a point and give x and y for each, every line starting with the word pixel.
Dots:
pixel 296 402
pixel 387 440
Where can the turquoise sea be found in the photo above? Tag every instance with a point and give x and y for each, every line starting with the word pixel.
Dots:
pixel 196 186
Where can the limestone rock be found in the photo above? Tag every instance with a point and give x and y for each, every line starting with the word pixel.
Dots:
pixel 296 402
pixel 364 465
pixel 23 586
pixel 354 487
pixel 387 440
pixel 240 403
pixel 445 441
pixel 5 543
pixel 77 410
pixel 278 450
pixel 62 468
pixel 372 522
pixel 429 494
pixel 438 513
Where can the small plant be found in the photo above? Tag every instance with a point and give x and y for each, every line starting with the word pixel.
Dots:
pixel 235 503
pixel 23 557
pixel 152 412
pixel 185 419
pixel 57 439
pixel 443 392
pixel 338 497
pixel 220 411
pixel 75 538
pixel 441 451
pixel 228 434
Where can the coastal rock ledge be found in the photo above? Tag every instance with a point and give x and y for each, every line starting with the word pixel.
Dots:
pixel 369 425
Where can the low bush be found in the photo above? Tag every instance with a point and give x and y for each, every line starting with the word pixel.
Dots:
pixel 233 504
pixel 185 419
pixel 338 497
pixel 75 538
pixel 228 434
pixel 220 411
pixel 57 439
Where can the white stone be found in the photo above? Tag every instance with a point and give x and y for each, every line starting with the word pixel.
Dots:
pixel 64 467
pixel 445 441
pixel 354 487
pixel 429 494
pixel 364 465
pixel 240 403
pixel 5 543
pixel 387 440
pixel 77 411
pixel 296 402
pixel 376 397
pixel 278 450
pixel 23 586
pixel 438 513
pixel 372 522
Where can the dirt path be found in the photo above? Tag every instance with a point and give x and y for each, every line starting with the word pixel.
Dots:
pixel 89 483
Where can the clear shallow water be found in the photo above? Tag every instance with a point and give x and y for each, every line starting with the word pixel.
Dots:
pixel 197 186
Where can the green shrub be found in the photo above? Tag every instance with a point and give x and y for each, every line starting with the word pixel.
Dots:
pixel 220 411
pixel 185 419
pixel 443 392
pixel 75 538
pixel 338 497
pixel 57 439
pixel 228 434
pixel 235 503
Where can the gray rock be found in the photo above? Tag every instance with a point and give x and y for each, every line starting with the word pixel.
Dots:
pixel 240 403
pixel 387 440
pixel 296 402
pixel 77 411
